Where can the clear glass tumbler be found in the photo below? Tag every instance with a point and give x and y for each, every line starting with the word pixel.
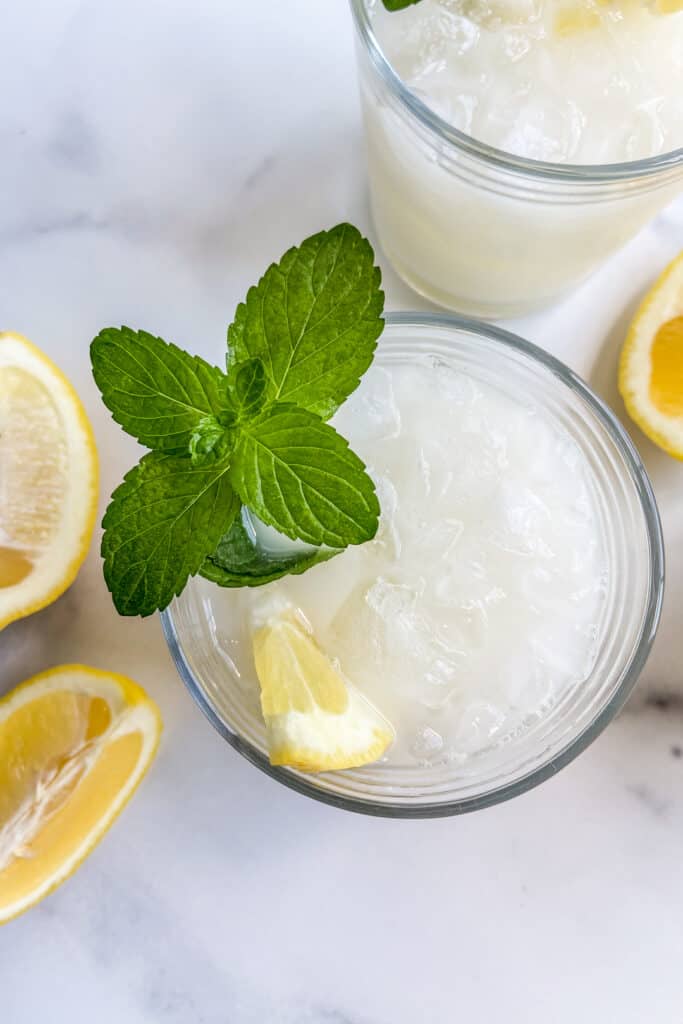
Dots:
pixel 200 632
pixel 479 230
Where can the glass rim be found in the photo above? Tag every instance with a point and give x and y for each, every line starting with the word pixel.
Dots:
pixel 500 159
pixel 632 670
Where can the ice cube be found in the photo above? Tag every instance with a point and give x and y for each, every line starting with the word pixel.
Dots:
pixel 370 413
pixel 395 604
pixel 388 536
pixel 517 45
pixel 438 542
pixel 519 520
pixel 427 745
pixel 479 725
pixel 546 128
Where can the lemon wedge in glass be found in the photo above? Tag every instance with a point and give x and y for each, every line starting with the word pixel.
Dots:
pixel 315 719
pixel 48 480
pixel 74 744
pixel 651 364
pixel 572 18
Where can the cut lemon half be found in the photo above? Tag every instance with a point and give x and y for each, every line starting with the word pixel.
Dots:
pixel 651 364
pixel 48 480
pixel 74 744
pixel 315 719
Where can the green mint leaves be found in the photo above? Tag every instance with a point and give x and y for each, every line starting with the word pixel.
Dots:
pixel 298 475
pixel 160 524
pixel 237 562
pixel 247 387
pixel 154 390
pixel 254 437
pixel 313 320
pixel 210 440
pixel 398 5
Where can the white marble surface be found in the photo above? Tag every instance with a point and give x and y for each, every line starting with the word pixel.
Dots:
pixel 154 156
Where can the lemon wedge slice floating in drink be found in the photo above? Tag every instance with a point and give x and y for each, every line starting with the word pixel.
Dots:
pixel 315 719
pixel 74 744
pixel 572 18
pixel 48 480
pixel 651 365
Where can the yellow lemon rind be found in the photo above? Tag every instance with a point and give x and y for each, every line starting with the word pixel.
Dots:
pixel 310 760
pixel 73 566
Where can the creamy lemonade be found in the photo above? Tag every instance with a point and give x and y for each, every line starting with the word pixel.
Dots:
pixel 572 84
pixel 566 81
pixel 486 632
pixel 479 602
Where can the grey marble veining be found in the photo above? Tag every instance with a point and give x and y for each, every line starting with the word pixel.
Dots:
pixel 155 158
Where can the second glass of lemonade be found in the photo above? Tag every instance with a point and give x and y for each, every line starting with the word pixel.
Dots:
pixel 513 145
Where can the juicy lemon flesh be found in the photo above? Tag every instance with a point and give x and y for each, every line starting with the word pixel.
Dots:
pixel 315 720
pixel 572 20
pixel 666 368
pixel 15 566
pixel 32 472
pixel 40 739
pixel 74 743
pixel 77 815
pixel 651 362
pixel 295 674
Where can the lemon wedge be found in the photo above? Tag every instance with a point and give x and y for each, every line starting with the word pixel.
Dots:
pixel 571 20
pixel 48 480
pixel 74 744
pixel 651 364
pixel 586 15
pixel 315 719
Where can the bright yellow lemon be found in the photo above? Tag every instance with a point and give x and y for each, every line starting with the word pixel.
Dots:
pixel 651 365
pixel 573 17
pixel 74 744
pixel 48 480
pixel 315 719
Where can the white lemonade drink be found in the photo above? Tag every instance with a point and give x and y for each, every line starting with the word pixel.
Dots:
pixel 580 83
pixel 478 603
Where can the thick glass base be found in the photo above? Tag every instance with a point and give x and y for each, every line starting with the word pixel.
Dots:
pixel 466 305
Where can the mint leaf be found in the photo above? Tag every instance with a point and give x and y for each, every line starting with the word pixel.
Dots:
pixel 298 475
pixel 209 441
pixel 162 522
pixel 247 387
pixel 154 390
pixel 398 5
pixel 237 562
pixel 313 319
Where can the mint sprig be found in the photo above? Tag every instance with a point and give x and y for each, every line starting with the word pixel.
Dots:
pixel 255 436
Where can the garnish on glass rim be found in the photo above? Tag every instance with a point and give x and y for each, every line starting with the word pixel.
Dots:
pixel 398 5
pixel 254 438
